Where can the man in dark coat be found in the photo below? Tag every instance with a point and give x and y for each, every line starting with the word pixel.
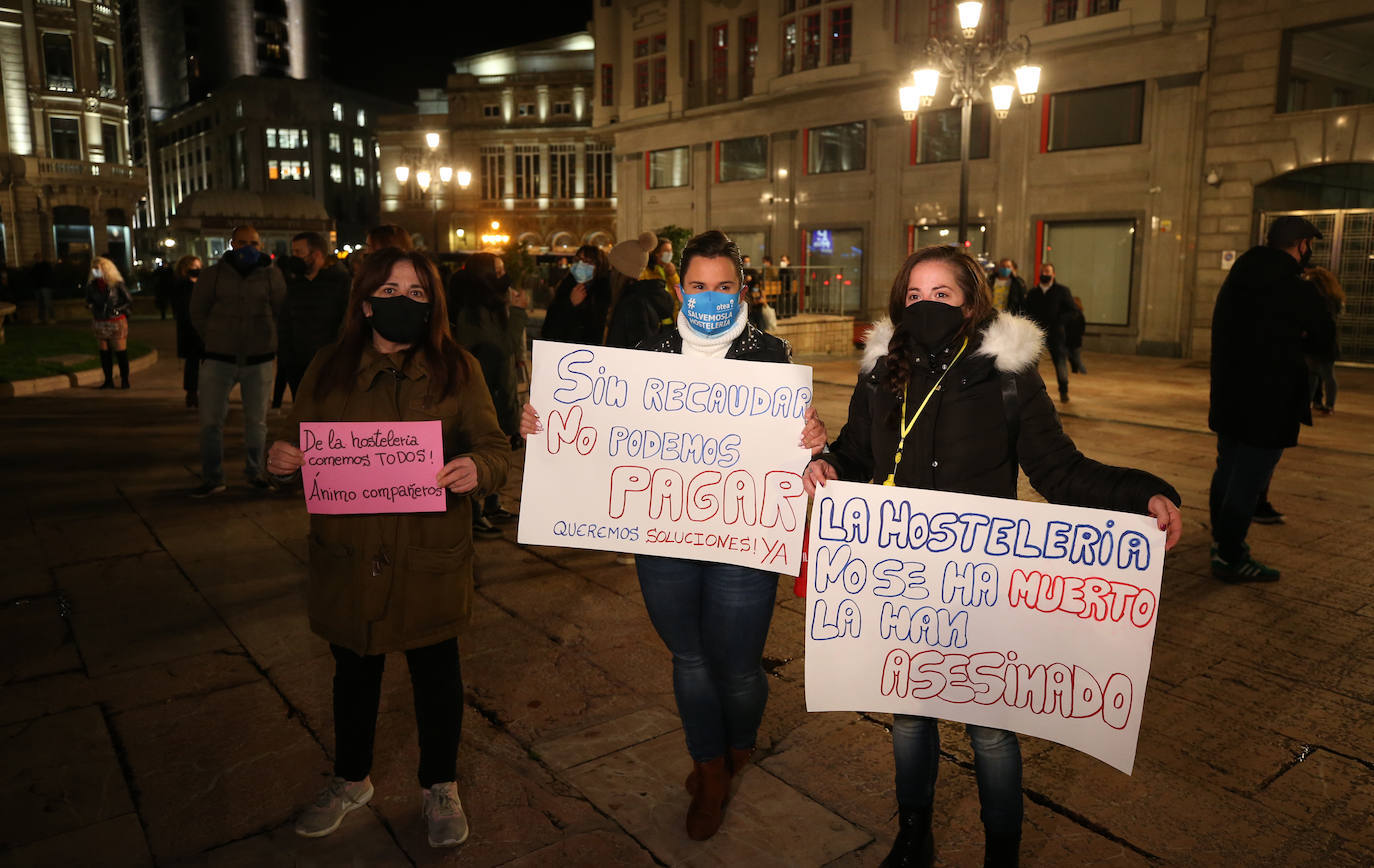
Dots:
pixel 1050 304
pixel 1265 312
pixel 317 287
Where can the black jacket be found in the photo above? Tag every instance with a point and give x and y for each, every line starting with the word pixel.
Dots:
pixel 1265 312
pixel 188 342
pixel 581 324
pixel 638 315
pixel 1051 308
pixel 311 316
pixel 752 345
pixel 962 441
pixel 1016 295
pixel 108 303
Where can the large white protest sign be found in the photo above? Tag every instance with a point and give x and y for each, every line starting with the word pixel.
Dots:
pixel 656 453
pixel 1022 616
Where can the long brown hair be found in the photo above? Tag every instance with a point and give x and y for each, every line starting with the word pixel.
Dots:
pixel 1326 284
pixel 978 307
pixel 442 356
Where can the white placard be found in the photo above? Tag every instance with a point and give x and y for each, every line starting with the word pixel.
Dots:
pixel 657 453
pixel 1018 615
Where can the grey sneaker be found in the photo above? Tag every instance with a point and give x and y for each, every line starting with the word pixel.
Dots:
pixel 443 813
pixel 337 799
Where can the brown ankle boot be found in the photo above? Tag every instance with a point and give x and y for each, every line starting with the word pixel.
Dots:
pixel 739 758
pixel 708 802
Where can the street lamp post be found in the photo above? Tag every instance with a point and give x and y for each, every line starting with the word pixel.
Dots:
pixel 969 63
pixel 428 167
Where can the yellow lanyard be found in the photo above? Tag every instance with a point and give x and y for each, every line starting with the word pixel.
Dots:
pixel 907 426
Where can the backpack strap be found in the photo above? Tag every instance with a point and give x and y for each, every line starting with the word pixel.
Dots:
pixel 1011 405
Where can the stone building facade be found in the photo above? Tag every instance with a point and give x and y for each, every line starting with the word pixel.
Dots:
pixel 67 188
pixel 778 121
pixel 518 123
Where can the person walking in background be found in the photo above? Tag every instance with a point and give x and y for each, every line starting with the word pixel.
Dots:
pixel 1322 352
pixel 577 313
pixel 1075 324
pixel 234 310
pixel 761 314
pixel 41 280
pixel 316 297
pixel 1265 314
pixel 643 307
pixel 1008 289
pixel 787 296
pixel 934 381
pixel 478 296
pixel 110 303
pixel 189 348
pixel 713 617
pixel 1050 304
pixel 384 583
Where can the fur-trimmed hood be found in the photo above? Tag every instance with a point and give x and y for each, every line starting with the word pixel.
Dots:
pixel 1014 343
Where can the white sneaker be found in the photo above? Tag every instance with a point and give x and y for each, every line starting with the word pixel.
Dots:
pixel 443 813
pixel 337 799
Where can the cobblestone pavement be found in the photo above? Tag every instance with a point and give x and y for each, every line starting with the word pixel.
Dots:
pixel 164 702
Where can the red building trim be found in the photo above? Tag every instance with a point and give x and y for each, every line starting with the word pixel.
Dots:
pixel 1039 246
pixel 1045 124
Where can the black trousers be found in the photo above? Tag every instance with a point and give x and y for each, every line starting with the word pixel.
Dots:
pixel 437 680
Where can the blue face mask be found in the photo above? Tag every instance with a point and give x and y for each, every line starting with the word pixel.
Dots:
pixel 1003 272
pixel 582 271
pixel 709 313
pixel 246 256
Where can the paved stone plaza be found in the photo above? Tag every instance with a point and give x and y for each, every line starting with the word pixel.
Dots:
pixel 164 701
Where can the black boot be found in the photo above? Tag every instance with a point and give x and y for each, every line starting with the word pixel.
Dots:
pixel 123 357
pixel 915 844
pixel 1001 851
pixel 107 365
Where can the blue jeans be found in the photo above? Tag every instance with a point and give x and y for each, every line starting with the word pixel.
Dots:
pixel 996 762
pixel 217 380
pixel 714 619
pixel 1242 474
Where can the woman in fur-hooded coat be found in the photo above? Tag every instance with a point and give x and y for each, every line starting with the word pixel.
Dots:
pixel 989 414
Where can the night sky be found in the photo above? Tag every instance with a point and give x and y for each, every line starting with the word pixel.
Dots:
pixel 392 47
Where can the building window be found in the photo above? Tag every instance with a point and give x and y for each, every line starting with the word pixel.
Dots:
pixel 288 170
pixel 105 70
pixel 562 108
pixel 359 177
pixel 109 142
pixel 1098 117
pixel 1096 258
pixel 841 27
pixel 336 173
pixel 749 54
pixel 337 111
pixel 493 171
pixel 359 148
pixel 719 89
pixel 1325 67
pixel 1057 11
pixel 600 172
pixel 811 41
pixel 526 110
pixel 938 132
pixel 670 168
pixel 562 171
pixel 270 134
pixel 287 139
pixel 832 275
pixel 651 69
pixel 65 134
pixel 362 117
pixel 57 62
pixel 335 143
pixel 491 110
pixel 527 171
pixel 789 46
pixel 607 84
pixel 839 148
pixel 742 159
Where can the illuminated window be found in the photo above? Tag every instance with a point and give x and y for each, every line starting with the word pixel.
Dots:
pixel 527 171
pixel 838 148
pixel 358 150
pixel 600 172
pixel 362 118
pixel 651 70
pixel 337 111
pixel 719 89
pixel 335 143
pixel 749 53
pixel 336 173
pixel 359 176
pixel 493 171
pixel 670 167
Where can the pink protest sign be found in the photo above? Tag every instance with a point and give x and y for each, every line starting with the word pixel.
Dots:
pixel 369 467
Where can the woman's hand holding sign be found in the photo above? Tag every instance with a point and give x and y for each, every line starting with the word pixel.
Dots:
pixel 813 435
pixel 459 475
pixel 1170 519
pixel 284 459
pixel 818 472
pixel 529 421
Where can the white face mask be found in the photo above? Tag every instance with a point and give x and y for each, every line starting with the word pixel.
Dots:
pixel 666 257
pixel 95 272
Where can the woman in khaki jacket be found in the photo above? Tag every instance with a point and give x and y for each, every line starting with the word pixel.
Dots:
pixel 381 583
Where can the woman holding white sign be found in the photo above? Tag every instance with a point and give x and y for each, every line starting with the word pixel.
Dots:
pixel 397 582
pixel 949 399
pixel 713 617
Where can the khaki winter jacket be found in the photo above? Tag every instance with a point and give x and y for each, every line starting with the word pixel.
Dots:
pixel 235 314
pixel 382 583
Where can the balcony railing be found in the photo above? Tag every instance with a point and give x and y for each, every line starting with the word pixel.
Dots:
pixel 65 4
pixel 104 9
pixel 81 168
pixel 61 83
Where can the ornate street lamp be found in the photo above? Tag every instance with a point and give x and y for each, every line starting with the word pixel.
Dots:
pixel 425 175
pixel 969 65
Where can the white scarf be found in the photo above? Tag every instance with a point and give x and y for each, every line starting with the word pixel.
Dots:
pixel 696 344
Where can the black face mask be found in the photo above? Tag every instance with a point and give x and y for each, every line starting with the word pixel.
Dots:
pixel 193 272
pixel 931 325
pixel 399 320
pixel 1047 278
pixel 1306 259
pixel 294 266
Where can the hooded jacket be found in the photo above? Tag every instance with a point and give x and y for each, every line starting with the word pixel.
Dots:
pixel 382 583
pixel 235 313
pixel 1265 312
pixel 963 440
